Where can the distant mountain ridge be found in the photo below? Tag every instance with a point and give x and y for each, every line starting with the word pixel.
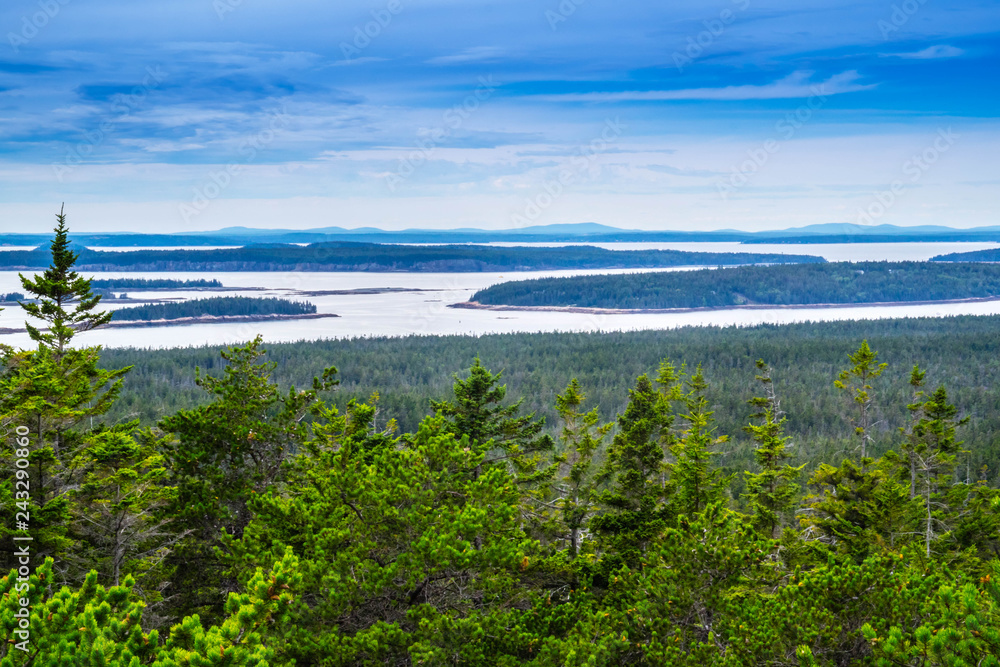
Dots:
pixel 571 233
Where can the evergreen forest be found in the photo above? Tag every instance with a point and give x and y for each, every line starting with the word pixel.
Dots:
pixel 259 520
pixel 790 284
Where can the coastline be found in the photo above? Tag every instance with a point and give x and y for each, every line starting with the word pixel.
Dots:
pixel 475 305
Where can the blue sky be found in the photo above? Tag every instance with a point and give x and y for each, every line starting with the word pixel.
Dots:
pixel 749 114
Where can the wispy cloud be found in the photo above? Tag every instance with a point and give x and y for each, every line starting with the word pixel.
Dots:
pixel 475 54
pixel 930 53
pixel 794 85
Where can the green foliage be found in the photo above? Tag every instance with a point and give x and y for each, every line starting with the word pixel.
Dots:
pixel 581 437
pixel 152 283
pixel 789 284
pixel 304 533
pixel 220 454
pixel 354 256
pixel 216 306
pixel 856 382
pixel 697 483
pixel 636 509
pixel 394 547
pixel 94 625
pixel 57 289
pixel 772 492
pixel 962 628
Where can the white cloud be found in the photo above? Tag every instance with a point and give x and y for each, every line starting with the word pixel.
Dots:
pixel 794 85
pixel 475 54
pixel 930 53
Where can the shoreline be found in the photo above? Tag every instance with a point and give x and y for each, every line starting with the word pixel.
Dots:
pixel 475 305
pixel 202 319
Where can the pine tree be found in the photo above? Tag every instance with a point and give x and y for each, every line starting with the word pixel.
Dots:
pixel 697 484
pixel 856 381
pixel 771 492
pixel 934 450
pixel 56 290
pixel 477 411
pixel 635 503
pixel 582 436
pixel 222 454
pixel 56 391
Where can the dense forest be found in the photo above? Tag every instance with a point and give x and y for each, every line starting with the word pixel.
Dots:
pixel 151 283
pixel 216 306
pixel 408 373
pixel 989 255
pixel 347 256
pixel 790 284
pixel 268 526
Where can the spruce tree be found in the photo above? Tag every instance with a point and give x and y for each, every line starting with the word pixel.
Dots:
pixel 856 381
pixel 56 290
pixel 635 503
pixel 582 436
pixel 56 391
pixel 697 484
pixel 771 492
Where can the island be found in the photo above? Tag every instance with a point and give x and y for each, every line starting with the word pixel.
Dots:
pixel 840 283
pixel 350 256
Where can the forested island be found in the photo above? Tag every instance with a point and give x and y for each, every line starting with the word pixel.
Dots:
pixel 217 306
pixel 988 255
pixel 152 283
pixel 790 284
pixel 279 524
pixel 347 256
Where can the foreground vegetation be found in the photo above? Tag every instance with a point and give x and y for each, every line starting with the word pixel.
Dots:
pixel 268 527
pixel 348 256
pixel 216 306
pixel 791 284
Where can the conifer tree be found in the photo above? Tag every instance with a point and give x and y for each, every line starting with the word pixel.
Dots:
pixel 856 381
pixel 697 483
pixel 55 391
pixel 582 435
pixel 635 502
pixel 771 492
pixel 55 291
pixel 477 411
pixel 221 454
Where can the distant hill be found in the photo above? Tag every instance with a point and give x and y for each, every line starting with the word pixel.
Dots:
pixel 571 233
pixel 354 256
